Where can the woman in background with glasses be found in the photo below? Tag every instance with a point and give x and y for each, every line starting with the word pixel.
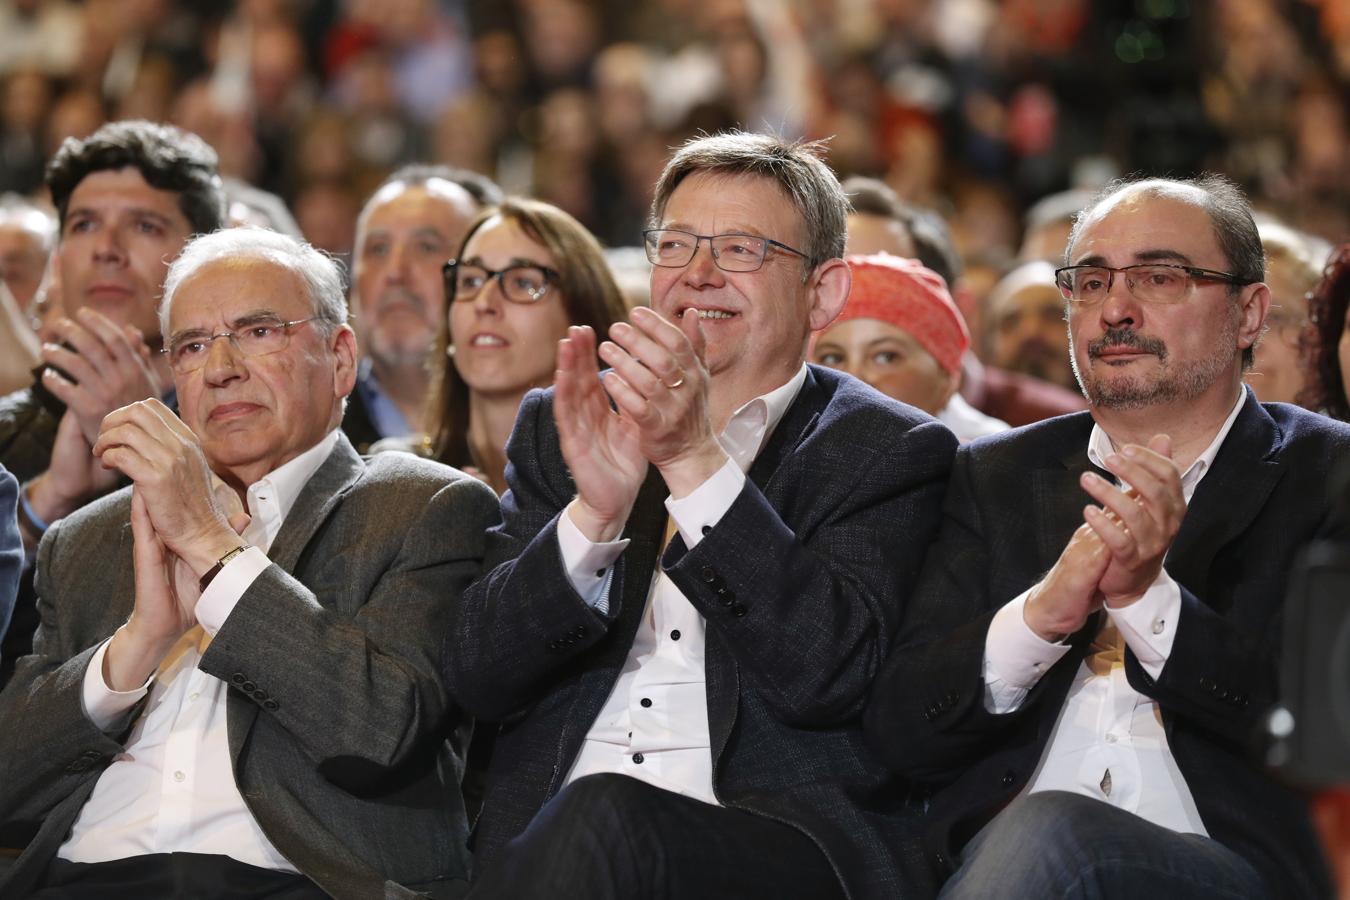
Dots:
pixel 1328 345
pixel 526 271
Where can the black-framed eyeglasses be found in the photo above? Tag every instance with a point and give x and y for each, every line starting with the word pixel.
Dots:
pixel 1150 282
pixel 731 252
pixel 524 283
pixel 251 337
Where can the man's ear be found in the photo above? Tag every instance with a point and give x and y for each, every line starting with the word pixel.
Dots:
pixel 343 345
pixel 829 287
pixel 1253 307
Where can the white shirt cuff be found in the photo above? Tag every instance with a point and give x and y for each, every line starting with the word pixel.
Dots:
pixel 705 505
pixel 1015 657
pixel 103 705
pixel 224 591
pixel 1149 624
pixel 589 565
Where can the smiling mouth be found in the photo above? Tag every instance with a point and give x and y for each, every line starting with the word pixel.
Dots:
pixel 487 340
pixel 706 314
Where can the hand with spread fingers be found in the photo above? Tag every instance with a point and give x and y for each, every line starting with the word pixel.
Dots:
pixel 659 382
pixel 110 364
pixel 73 476
pixel 1137 526
pixel 1061 602
pixel 151 446
pixel 601 447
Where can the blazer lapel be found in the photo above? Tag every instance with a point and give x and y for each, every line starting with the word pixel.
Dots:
pixel 1058 497
pixel 320 495
pixel 719 668
pixel 1229 497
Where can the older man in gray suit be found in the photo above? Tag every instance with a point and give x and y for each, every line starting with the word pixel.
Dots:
pixel 233 691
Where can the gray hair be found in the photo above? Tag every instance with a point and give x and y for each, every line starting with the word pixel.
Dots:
pixel 798 167
pixel 321 274
pixel 16 210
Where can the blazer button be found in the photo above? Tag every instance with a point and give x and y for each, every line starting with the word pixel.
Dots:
pixel 260 696
pixel 739 610
pixel 237 678
pixel 554 646
pixel 249 687
pixel 1007 778
pixel 271 705
pixel 709 574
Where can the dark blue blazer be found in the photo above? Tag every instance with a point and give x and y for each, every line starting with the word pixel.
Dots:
pixel 11 547
pixel 1014 500
pixel 802 584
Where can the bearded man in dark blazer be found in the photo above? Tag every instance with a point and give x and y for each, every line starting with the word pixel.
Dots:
pixel 1094 642
pixel 681 716
pixel 234 690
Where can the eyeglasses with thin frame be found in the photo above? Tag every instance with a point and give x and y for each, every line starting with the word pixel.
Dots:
pixel 524 283
pixel 731 252
pixel 1150 282
pixel 250 337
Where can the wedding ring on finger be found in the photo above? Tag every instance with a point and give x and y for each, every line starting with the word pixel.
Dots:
pixel 679 381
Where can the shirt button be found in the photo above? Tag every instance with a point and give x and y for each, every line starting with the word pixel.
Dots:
pixel 637 758
pixel 194 696
pixel 178 776
pixel 1158 626
pixel 646 702
pixel 675 635
pixel 1110 738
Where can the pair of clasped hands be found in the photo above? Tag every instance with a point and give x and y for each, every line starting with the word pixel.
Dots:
pixel 1118 551
pixel 183 519
pixel 659 384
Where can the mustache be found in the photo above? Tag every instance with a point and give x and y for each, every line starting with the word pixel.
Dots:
pixel 395 295
pixel 1126 337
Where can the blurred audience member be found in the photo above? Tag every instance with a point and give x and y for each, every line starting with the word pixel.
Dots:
pixel 127 199
pixel 18 344
pixel 1328 347
pixel 526 272
pixel 249 205
pixel 1047 223
pixel 1025 320
pixel 901 333
pixel 27 233
pixel 1294 263
pixel 880 222
pixel 408 230
pixel 48 306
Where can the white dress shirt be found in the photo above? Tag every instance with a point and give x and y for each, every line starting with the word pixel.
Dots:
pixel 967 422
pixel 172 788
pixel 1108 742
pixel 654 725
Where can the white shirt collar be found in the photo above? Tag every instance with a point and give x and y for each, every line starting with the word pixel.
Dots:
pixel 271 497
pixel 1100 447
pixel 750 427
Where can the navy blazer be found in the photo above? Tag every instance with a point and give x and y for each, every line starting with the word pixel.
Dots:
pixel 11 547
pixel 802 584
pixel 1014 501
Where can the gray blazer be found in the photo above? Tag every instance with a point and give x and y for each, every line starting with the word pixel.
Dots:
pixel 338 723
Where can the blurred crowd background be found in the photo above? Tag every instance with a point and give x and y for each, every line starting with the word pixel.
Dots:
pixel 973 108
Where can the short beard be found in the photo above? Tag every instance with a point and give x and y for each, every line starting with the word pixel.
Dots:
pixel 1167 386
